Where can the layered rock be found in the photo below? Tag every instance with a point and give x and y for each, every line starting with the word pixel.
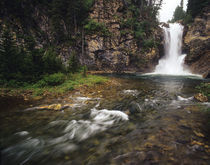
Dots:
pixel 197 43
pixel 118 51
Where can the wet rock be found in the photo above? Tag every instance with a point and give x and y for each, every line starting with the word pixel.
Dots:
pixel 198 134
pixel 55 107
pixel 181 141
pixel 206 75
pixel 185 127
pixel 197 148
pixel 200 97
pixel 131 158
pixel 163 24
pixel 135 108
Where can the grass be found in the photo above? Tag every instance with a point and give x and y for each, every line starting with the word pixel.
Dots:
pixel 71 82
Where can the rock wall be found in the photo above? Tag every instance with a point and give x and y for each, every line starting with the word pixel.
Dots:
pixel 197 44
pixel 117 52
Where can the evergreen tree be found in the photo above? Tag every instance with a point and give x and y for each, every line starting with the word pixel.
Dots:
pixel 194 7
pixel 9 55
pixel 179 13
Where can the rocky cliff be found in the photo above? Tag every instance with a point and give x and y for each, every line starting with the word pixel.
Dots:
pixel 119 51
pixel 197 44
pixel 112 47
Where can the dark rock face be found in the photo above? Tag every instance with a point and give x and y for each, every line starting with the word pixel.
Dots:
pixel 118 52
pixel 197 44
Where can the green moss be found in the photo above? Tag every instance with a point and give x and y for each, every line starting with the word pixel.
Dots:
pixel 58 84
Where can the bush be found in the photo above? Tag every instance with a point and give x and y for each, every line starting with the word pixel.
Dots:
pixel 51 80
pixel 149 43
pixel 73 63
pixel 52 63
pixel 92 27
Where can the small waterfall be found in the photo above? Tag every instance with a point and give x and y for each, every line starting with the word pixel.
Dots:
pixel 173 61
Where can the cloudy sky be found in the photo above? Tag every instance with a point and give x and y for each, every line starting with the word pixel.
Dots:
pixel 168 8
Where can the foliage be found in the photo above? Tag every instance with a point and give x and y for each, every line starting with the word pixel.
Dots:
pixel 85 71
pixel 65 16
pixel 73 64
pixel 204 88
pixel 71 82
pixel 141 20
pixel 179 14
pixel 188 18
pixel 52 63
pixel 25 64
pixel 194 7
pixel 96 27
pixel 51 80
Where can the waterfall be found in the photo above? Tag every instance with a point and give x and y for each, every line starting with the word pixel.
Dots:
pixel 173 61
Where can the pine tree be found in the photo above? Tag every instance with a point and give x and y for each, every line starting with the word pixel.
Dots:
pixel 8 55
pixel 179 13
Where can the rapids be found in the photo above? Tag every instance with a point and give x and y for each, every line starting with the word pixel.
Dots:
pixel 140 120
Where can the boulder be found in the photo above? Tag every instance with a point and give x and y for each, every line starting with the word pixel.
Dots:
pixel 200 97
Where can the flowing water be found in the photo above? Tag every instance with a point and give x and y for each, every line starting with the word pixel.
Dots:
pixel 173 61
pixel 139 120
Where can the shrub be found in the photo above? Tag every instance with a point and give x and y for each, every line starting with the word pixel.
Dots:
pixel 54 79
pixel 73 64
pixel 85 71
pixel 51 80
pixel 92 27
pixel 149 43
pixel 52 63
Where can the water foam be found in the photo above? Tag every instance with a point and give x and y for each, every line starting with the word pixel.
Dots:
pixel 173 61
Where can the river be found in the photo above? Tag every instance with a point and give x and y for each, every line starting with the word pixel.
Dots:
pixel 139 120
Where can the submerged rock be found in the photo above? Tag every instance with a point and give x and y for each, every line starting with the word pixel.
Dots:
pixel 135 108
pixel 200 97
pixel 55 107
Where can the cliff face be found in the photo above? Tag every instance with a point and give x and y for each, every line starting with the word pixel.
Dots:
pixel 118 51
pixel 197 43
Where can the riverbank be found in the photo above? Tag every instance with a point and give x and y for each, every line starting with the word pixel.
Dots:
pixel 37 91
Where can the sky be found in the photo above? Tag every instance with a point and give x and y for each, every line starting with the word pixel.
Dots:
pixel 168 7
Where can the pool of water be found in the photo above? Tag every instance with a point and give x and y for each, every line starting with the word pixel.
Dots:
pixel 141 120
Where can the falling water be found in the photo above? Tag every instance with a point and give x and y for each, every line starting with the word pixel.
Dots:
pixel 173 61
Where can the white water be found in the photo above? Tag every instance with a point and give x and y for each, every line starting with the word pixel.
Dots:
pixel 173 61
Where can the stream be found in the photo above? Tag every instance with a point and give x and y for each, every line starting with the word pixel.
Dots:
pixel 140 120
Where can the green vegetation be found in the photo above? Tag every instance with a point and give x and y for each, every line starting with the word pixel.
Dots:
pixel 204 88
pixel 141 20
pixel 25 64
pixel 66 17
pixel 65 83
pixel 93 27
pixel 51 80
pixel 57 84
pixel 179 13
pixel 194 7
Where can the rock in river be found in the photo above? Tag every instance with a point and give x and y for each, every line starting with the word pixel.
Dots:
pixel 55 107
pixel 200 97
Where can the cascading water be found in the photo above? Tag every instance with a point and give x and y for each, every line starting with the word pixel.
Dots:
pixel 173 61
